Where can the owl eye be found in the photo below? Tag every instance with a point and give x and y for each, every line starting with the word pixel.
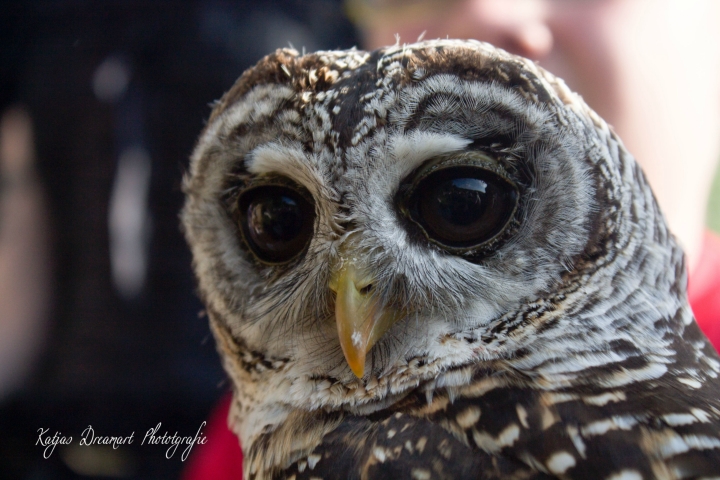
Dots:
pixel 462 207
pixel 276 222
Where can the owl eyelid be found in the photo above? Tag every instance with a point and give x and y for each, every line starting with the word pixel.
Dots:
pixel 238 183
pixel 274 180
pixel 471 158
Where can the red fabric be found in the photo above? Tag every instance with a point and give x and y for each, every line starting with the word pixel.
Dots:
pixel 704 289
pixel 221 457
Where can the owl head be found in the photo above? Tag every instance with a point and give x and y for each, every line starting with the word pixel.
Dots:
pixel 361 222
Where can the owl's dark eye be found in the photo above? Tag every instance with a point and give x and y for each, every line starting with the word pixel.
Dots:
pixel 462 207
pixel 276 222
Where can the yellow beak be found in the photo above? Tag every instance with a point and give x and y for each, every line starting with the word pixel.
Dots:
pixel 360 320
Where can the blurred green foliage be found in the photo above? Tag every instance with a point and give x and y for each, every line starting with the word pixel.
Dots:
pixel 713 215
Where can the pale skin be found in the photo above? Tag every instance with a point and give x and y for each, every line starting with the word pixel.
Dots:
pixel 650 68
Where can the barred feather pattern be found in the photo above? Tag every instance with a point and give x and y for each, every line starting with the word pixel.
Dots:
pixel 568 351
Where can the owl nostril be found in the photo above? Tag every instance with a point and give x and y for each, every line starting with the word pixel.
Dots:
pixel 367 289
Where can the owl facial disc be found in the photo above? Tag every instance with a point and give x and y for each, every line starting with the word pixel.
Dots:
pixel 361 318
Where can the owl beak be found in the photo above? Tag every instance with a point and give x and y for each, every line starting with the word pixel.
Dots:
pixel 360 320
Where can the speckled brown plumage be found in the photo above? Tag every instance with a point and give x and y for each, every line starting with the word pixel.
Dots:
pixel 561 347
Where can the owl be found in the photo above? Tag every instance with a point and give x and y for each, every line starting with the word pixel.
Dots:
pixel 435 261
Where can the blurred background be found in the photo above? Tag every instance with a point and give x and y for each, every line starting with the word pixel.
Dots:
pixel 100 106
pixel 713 217
pixel 101 103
